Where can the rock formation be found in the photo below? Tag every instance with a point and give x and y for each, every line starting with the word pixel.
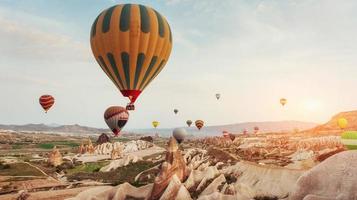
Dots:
pixel 103 138
pixel 55 157
pixel 334 178
pixel 174 165
pixel 147 139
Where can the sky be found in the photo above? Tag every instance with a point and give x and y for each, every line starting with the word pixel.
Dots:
pixel 252 52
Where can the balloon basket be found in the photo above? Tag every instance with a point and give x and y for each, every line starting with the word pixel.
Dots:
pixel 130 107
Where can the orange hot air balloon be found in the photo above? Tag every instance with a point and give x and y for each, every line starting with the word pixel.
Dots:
pixel 283 101
pixel 132 43
pixel 199 124
pixel 46 102
pixel 116 118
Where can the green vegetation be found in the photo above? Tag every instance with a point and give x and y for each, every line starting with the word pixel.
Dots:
pixel 87 168
pixel 349 135
pixel 19 169
pixel 120 139
pixel 118 176
pixel 17 146
pixel 58 144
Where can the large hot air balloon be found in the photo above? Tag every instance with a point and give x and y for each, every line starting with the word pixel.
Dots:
pixel 349 139
pixel 199 124
pixel 132 44
pixel 189 122
pixel 175 111
pixel 218 96
pixel 342 123
pixel 283 101
pixel 179 134
pixel 46 102
pixel 116 118
pixel 155 124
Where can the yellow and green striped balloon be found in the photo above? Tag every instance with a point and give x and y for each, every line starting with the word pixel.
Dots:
pixel 132 44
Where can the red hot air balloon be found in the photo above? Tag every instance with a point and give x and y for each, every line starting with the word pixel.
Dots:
pixel 199 124
pixel 116 118
pixel 46 102
pixel 225 134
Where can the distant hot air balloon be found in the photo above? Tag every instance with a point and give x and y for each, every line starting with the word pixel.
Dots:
pixel 175 111
pixel 256 129
pixel 46 102
pixel 189 122
pixel 132 43
pixel 218 96
pixel 232 137
pixel 342 123
pixel 179 134
pixel 225 134
pixel 349 139
pixel 199 124
pixel 116 118
pixel 283 101
pixel 155 124
pixel 245 131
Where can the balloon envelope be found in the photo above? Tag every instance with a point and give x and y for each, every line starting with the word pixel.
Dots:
pixel 116 118
pixel 155 124
pixel 175 111
pixel 132 43
pixel 46 101
pixel 218 96
pixel 179 134
pixel 188 122
pixel 283 101
pixel 199 124
pixel 342 123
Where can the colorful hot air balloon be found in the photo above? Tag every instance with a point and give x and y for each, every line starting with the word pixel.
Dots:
pixel 189 122
pixel 283 101
pixel 342 123
pixel 46 102
pixel 225 134
pixel 218 96
pixel 155 124
pixel 256 129
pixel 245 131
pixel 132 43
pixel 179 134
pixel 199 124
pixel 116 118
pixel 175 111
pixel 349 139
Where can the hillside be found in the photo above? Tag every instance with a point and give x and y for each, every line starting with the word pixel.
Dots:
pixel 332 127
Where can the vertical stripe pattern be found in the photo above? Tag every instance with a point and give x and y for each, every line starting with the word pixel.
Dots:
pixel 132 44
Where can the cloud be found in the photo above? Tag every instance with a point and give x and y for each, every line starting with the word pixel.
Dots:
pixel 24 41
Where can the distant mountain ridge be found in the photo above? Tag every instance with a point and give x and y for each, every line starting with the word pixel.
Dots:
pixel 54 128
pixel 274 126
pixel 264 127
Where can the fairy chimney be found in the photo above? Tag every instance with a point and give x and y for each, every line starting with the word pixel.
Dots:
pixel 55 157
